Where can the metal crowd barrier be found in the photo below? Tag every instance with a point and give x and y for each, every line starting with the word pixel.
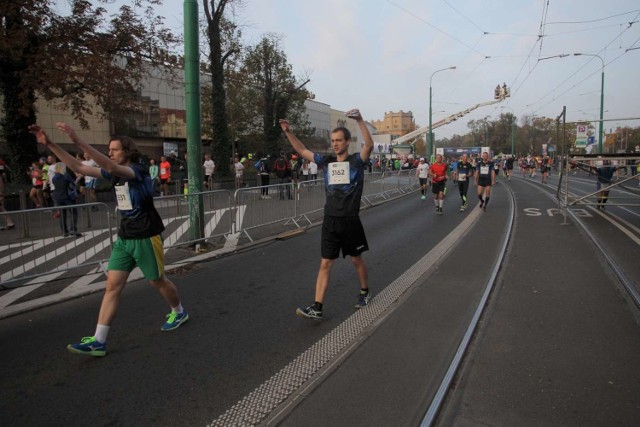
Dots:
pixel 216 222
pixel 37 249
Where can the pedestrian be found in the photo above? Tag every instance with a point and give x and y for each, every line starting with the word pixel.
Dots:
pixel 239 168
pixel 438 173
pixel 139 241
pixel 65 193
pixel 545 167
pixel 90 183
pixel 283 172
pixel 209 169
pixel 165 176
pixel 604 176
pixel 35 194
pixel 422 172
pixel 463 172
pixel 8 222
pixel 485 176
pixel 508 166
pixel 154 172
pixel 263 174
pixel 304 168
pixel 313 170
pixel 341 226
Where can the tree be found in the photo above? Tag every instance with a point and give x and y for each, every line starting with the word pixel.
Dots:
pixel 77 62
pixel 222 42
pixel 274 93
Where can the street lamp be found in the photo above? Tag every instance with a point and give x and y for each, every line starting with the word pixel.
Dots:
pixel 431 145
pixel 601 132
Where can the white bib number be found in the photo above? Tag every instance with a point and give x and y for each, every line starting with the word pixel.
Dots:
pixel 484 170
pixel 123 197
pixel 338 173
pixel 462 176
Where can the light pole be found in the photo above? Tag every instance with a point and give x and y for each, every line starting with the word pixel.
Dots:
pixel 601 132
pixel 431 145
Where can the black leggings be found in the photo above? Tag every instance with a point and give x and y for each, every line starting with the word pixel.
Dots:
pixel 463 186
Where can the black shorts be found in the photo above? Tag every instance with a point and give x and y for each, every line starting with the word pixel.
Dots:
pixel 423 181
pixel 342 233
pixel 484 182
pixel 438 187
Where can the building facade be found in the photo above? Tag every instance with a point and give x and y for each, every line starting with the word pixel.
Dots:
pixel 395 123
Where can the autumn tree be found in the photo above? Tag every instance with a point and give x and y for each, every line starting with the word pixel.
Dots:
pixel 274 93
pixel 222 42
pixel 86 59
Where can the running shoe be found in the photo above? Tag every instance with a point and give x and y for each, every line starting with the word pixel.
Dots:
pixel 462 208
pixel 174 320
pixel 310 312
pixel 439 211
pixel 423 197
pixel 363 300
pixel 89 346
pixel 481 204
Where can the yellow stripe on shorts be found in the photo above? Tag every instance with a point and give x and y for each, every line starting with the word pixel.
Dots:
pixel 158 251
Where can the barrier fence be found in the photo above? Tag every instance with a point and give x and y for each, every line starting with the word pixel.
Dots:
pixel 36 248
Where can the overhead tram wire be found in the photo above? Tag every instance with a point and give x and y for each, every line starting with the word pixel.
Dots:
pixel 545 11
pixel 586 78
pixel 515 90
pixel 464 16
pixel 434 27
pixel 580 68
pixel 593 20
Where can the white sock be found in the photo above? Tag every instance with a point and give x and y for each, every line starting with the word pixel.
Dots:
pixel 101 333
pixel 178 309
pixel 441 202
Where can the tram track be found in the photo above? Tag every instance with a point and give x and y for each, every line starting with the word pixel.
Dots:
pixel 445 385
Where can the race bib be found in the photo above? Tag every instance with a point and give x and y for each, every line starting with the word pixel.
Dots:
pixel 462 176
pixel 163 171
pixel 484 170
pixel 123 197
pixel 338 173
pixel 34 181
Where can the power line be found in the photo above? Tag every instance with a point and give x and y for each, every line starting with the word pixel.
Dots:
pixel 593 20
pixel 464 16
pixel 433 26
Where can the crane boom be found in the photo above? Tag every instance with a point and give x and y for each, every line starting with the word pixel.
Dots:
pixel 452 118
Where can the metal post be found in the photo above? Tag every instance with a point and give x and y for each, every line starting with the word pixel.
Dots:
pixel 194 134
pixel 601 110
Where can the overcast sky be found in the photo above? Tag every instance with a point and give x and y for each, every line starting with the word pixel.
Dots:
pixel 379 55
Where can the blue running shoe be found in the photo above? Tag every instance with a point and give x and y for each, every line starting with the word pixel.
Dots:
pixel 363 300
pixel 174 320
pixel 88 346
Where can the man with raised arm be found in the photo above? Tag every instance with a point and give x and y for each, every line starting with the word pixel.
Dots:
pixel 139 241
pixel 341 227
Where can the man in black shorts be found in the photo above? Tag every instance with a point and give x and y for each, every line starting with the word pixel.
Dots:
pixel 508 166
pixel 485 176
pixel 341 227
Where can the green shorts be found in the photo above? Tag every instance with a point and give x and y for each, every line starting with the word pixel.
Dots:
pixel 145 253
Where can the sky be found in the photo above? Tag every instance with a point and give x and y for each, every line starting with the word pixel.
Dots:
pixel 381 55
